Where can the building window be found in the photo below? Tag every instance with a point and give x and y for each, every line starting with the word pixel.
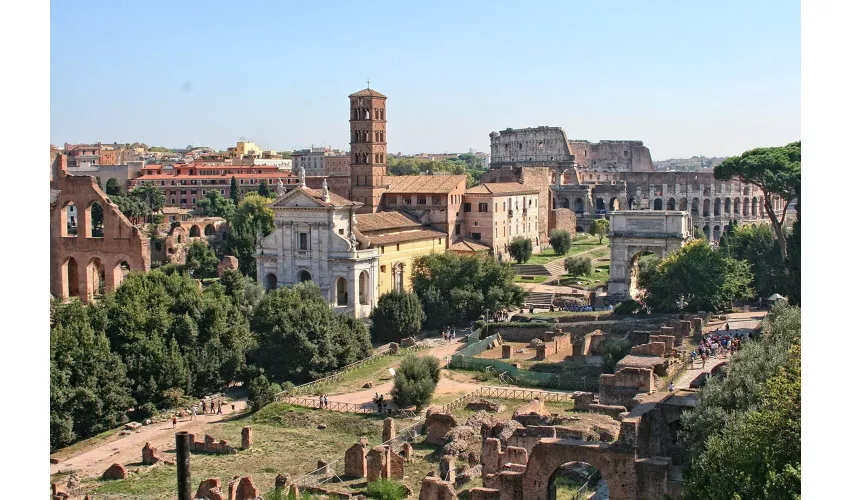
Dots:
pixel 467 207
pixel 382 249
pixel 482 207
pixel 341 231
pixel 476 236
pixel 302 242
pixel 398 247
pixel 457 228
pixel 193 199
pixel 407 200
pixel 383 269
pixel 222 191
pixel 391 200
pixel 475 223
pixel 420 200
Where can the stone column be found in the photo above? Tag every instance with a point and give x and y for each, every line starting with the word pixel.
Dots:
pixel 389 430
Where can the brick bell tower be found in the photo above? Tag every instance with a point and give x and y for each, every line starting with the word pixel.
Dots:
pixel 368 125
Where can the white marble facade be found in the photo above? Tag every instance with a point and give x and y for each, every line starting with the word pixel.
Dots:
pixel 315 238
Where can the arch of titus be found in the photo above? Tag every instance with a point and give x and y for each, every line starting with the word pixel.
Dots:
pixel 636 232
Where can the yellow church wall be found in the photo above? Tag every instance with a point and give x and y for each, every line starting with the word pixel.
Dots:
pixel 391 255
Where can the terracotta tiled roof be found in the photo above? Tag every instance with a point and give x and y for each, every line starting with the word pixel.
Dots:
pixel 464 245
pixel 402 236
pixel 502 188
pixel 368 93
pixel 385 220
pixel 336 200
pixel 423 183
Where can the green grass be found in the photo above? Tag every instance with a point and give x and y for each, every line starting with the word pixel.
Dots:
pixel 82 445
pixel 375 371
pixel 531 279
pixel 286 439
pixel 578 246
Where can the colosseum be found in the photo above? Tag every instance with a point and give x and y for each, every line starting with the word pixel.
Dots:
pixel 592 179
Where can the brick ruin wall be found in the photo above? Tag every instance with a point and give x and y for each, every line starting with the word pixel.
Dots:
pixel 620 156
pixel 621 387
pixel 563 218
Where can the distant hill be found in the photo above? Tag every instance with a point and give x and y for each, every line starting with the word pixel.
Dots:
pixel 688 164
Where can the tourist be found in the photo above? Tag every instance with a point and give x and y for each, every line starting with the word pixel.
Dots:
pixel 194 412
pixel 727 327
pixel 173 421
pixel 670 387
pixel 203 406
pixel 219 407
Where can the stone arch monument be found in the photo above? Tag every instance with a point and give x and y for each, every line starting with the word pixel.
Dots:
pixel 637 232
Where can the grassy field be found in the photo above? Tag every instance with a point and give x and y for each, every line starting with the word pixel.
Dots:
pixel 531 279
pixel 375 372
pixel 286 439
pixel 578 246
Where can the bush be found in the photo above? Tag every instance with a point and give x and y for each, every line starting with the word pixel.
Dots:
pixel 520 249
pixel 174 398
pixel 415 381
pixel 261 392
pixel 578 266
pixel 629 306
pixel 146 410
pixel 613 350
pixel 398 315
pixel 561 241
pixel 385 489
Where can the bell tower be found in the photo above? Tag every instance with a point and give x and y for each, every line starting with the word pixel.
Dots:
pixel 368 124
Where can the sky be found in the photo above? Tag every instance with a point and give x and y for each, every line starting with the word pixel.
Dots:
pixel 711 78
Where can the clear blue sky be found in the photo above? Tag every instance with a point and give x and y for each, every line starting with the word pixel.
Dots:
pixel 686 77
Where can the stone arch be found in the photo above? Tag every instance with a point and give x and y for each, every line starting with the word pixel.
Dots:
pixel 68 220
pixel 398 277
pixel 706 208
pixel 341 289
pixel 717 203
pixel 579 206
pixel 549 454
pixel 736 206
pixel 304 275
pixel 271 281
pixel 755 208
pixel 746 207
pixel 707 230
pixel 94 220
pixel 613 204
pixel 695 207
pixel 579 229
pixel 70 278
pixel 195 231
pixel 600 204
pixel 119 271
pixel 658 204
pixel 727 206
pixel 683 205
pixel 671 204
pixel 363 288
pixel 209 230
pixel 746 190
pixel 95 278
pixel 717 233
pixel 565 203
pixel 631 204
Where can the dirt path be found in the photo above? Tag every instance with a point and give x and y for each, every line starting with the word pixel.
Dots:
pixel 127 450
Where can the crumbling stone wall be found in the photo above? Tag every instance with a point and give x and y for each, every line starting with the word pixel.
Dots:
pixel 562 218
pixel 73 259
pixel 210 445
pixel 439 424
pixel 355 459
pixel 668 340
pixel 651 349
pixel 621 387
pixel 435 489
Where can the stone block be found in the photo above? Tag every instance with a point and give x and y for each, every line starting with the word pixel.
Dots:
pixel 355 459
pixel 582 400
pixel 515 455
pixel 150 455
pixel 115 471
pixel 247 437
pixel 389 430
pixel 207 485
pixel 435 489
pixel 282 481
pixel 439 424
pixel 491 451
pixel 377 466
pixel 396 465
pixel 447 469
pixel 612 411
pixel 483 494
pixel 507 351
pixel 407 452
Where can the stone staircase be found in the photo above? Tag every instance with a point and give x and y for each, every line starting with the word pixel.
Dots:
pixel 543 300
pixel 531 270
pixel 556 267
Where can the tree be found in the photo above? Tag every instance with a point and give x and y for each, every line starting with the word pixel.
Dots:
pixel 696 277
pixel 89 389
pixel 253 218
pixel 397 315
pixel 261 392
pixel 215 205
pixel 746 424
pixel 758 246
pixel 201 260
pixel 578 266
pixel 112 187
pixel 300 338
pixel 776 171
pixel 235 195
pixel 613 350
pixel 264 190
pixel 794 255
pixel 132 207
pixel 455 289
pixel 150 195
pixel 561 241
pixel 415 381
pixel 520 249
pixel 600 227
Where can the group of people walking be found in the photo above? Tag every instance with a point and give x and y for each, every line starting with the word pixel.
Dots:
pixel 380 403
pixel 323 401
pixel 214 407
pixel 449 333
pixel 717 345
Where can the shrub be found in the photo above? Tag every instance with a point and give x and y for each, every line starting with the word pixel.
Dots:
pixel 629 306
pixel 561 241
pixel 520 249
pixel 398 315
pixel 415 381
pixel 385 489
pixel 578 266
pixel 174 398
pixel 261 392
pixel 613 350
pixel 146 410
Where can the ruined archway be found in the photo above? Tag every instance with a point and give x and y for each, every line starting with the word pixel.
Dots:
pixel 195 231
pixel 637 232
pixel 600 204
pixel 70 279
pixel 68 220
pixel 271 281
pixel 717 204
pixel 570 477
pixel 658 204
pixel 549 454
pixel 706 208
pixel 119 272
pixel 95 278
pixel 94 220
pixel 209 230
pixel 363 288
pixel 695 208
pixel 304 275
pixel 683 205
pixel 671 204
pixel 579 206
pixel 746 207
pixel 341 292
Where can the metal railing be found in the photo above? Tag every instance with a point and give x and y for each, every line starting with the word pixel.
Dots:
pixel 591 481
